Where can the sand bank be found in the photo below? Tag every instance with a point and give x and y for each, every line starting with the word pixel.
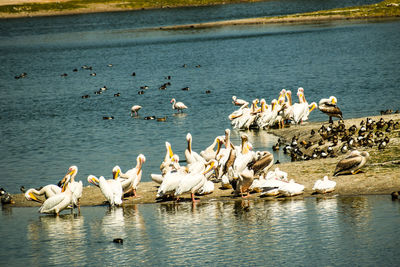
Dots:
pixel 23 8
pixel 381 175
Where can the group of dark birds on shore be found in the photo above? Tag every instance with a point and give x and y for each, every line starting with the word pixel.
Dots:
pixel 335 139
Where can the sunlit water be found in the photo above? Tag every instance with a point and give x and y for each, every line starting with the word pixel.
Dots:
pixel 338 231
pixel 46 126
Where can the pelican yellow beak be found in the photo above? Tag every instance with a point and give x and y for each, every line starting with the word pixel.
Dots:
pixel 116 174
pixel 234 116
pixel 34 198
pixel 312 107
pixel 333 101
pixel 170 151
pixel 93 180
pixel 210 167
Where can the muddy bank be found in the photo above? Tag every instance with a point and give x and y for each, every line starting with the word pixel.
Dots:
pixel 381 175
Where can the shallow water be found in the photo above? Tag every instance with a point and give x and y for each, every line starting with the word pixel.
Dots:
pixel 47 126
pixel 337 231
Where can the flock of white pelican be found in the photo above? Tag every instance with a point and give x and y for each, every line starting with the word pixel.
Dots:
pixel 279 111
pixel 236 167
pixel 231 166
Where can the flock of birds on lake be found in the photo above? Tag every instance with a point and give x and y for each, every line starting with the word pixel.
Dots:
pixel 236 167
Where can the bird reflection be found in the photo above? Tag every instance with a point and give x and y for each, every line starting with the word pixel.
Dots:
pixel 59 231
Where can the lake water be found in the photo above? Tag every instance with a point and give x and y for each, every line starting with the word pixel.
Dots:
pixel 46 126
pixel 338 231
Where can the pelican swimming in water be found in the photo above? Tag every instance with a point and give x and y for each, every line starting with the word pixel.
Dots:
pixel 329 107
pixel 324 186
pixel 59 202
pixel 135 109
pixel 46 191
pixel 179 106
pixel 352 163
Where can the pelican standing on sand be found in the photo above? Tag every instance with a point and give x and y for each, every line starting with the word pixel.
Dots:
pixel 179 106
pixel 329 107
pixel 352 163
pixel 135 109
pixel 131 179
pixel 48 191
pixel 76 187
pixel 58 202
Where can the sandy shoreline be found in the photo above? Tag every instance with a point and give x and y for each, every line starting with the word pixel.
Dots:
pixel 380 175
pixel 382 10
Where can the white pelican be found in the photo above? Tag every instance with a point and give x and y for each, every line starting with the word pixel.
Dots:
pixel 192 182
pixel 207 188
pixel 244 117
pixel 179 106
pixel 268 117
pixel 244 156
pixel 287 113
pixel 135 109
pixel 58 202
pixel 170 183
pixel 190 155
pixel 226 157
pixel 352 163
pixel 111 189
pixel 48 191
pixel 291 189
pixel 168 157
pixel 75 187
pixel 239 102
pixel 324 186
pixel 329 107
pixel 131 179
pixel 209 153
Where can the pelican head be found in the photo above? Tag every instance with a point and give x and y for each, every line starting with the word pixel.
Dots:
pixel 30 196
pixel 141 159
pixel 234 98
pixel 312 106
pixel 273 103
pixel 169 149
pixel 73 170
pixel 93 180
pixel 333 100
pixel 116 171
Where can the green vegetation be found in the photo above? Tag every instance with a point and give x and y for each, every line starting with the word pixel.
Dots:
pixel 32 8
pixel 387 8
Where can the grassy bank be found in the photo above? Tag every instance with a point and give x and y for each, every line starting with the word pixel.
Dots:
pixel 38 8
pixel 384 9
